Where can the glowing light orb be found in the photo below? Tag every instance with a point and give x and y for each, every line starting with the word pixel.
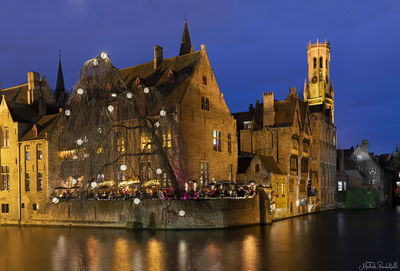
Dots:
pixel 123 167
pixel 103 55
pixel 67 112
pixel 55 200
pixel 182 213
pixel 146 90
pixel 80 91
pixel 99 130
pixel 129 95
pixel 159 171
pixel 157 124
pixel 110 108
pixel 114 95
pixel 74 181
pixel 136 201
pixel 163 113
pixel 95 62
pixel 79 141
pixel 93 184
pixel 85 155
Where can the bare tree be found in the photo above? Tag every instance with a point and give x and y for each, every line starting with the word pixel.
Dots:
pixel 117 134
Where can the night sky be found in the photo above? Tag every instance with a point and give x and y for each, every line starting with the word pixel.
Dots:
pixel 253 46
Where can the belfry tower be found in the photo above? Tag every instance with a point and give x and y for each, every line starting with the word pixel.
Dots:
pixel 318 91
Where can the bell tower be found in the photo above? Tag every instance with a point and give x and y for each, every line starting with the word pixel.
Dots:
pixel 318 91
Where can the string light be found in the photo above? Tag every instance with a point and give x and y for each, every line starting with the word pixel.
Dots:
pixel 123 167
pixel 129 95
pixel 74 181
pixel 93 184
pixel 67 112
pixel 114 95
pixel 163 113
pixel 103 55
pixel 79 142
pixel 136 201
pixel 56 200
pixel 182 213
pixel 80 91
pixel 159 171
pixel 157 124
pixel 146 90
pixel 110 108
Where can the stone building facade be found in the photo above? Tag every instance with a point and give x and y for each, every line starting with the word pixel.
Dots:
pixel 319 95
pixel 299 135
pixel 207 128
pixel 26 116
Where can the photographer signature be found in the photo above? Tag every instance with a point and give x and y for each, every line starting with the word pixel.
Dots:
pixel 378 266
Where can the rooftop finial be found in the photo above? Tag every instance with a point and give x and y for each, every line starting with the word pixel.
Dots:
pixel 397 150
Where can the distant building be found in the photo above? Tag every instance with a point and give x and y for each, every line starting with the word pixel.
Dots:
pixel 358 168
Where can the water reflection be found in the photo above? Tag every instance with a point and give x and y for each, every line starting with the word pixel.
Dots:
pixel 326 241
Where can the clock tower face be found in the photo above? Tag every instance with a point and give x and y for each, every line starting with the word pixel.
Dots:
pixel 314 79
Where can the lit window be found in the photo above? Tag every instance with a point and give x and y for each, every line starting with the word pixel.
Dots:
pixel 35 206
pixel 146 142
pixel 27 154
pixel 5 178
pixel 205 103
pixel 120 174
pixel 283 189
pixel 39 153
pixel 340 186
pixel 344 186
pixel 121 144
pixel 167 138
pixel 6 140
pixel 217 140
pixel 39 182
pixel 146 172
pixel 204 173
pixel 230 172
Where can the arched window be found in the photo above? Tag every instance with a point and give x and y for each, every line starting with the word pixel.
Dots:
pixel 315 62
pixel 320 62
pixel 39 152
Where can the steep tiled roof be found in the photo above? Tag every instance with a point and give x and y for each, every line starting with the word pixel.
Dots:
pixel 44 125
pixel 17 93
pixel 270 164
pixel 182 68
pixel 21 112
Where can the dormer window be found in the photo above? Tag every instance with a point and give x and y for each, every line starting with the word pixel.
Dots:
pixel 171 77
pixel 204 80
pixel 34 129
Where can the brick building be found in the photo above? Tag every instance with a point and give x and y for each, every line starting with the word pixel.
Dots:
pixel 27 113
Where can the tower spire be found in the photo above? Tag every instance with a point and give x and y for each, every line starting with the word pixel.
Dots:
pixel 397 150
pixel 59 92
pixel 186 45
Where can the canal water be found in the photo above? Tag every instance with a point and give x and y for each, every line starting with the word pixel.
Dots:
pixel 335 240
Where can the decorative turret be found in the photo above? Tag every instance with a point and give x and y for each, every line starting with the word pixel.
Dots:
pixel 319 90
pixel 186 45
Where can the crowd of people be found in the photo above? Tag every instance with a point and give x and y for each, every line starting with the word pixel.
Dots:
pixel 155 194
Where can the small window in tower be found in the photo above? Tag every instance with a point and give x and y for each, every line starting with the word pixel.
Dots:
pixel 204 80
pixel 315 62
pixel 320 76
pixel 321 62
pixel 326 63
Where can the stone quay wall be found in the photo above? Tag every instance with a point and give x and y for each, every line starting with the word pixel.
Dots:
pixel 155 214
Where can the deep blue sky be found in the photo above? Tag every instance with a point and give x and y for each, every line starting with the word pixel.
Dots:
pixel 254 46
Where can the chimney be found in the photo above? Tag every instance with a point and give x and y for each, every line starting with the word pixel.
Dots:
pixel 292 91
pixel 364 145
pixel 268 109
pixel 33 84
pixel 341 161
pixel 158 56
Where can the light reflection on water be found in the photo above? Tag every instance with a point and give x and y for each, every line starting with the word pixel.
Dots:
pixel 326 241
